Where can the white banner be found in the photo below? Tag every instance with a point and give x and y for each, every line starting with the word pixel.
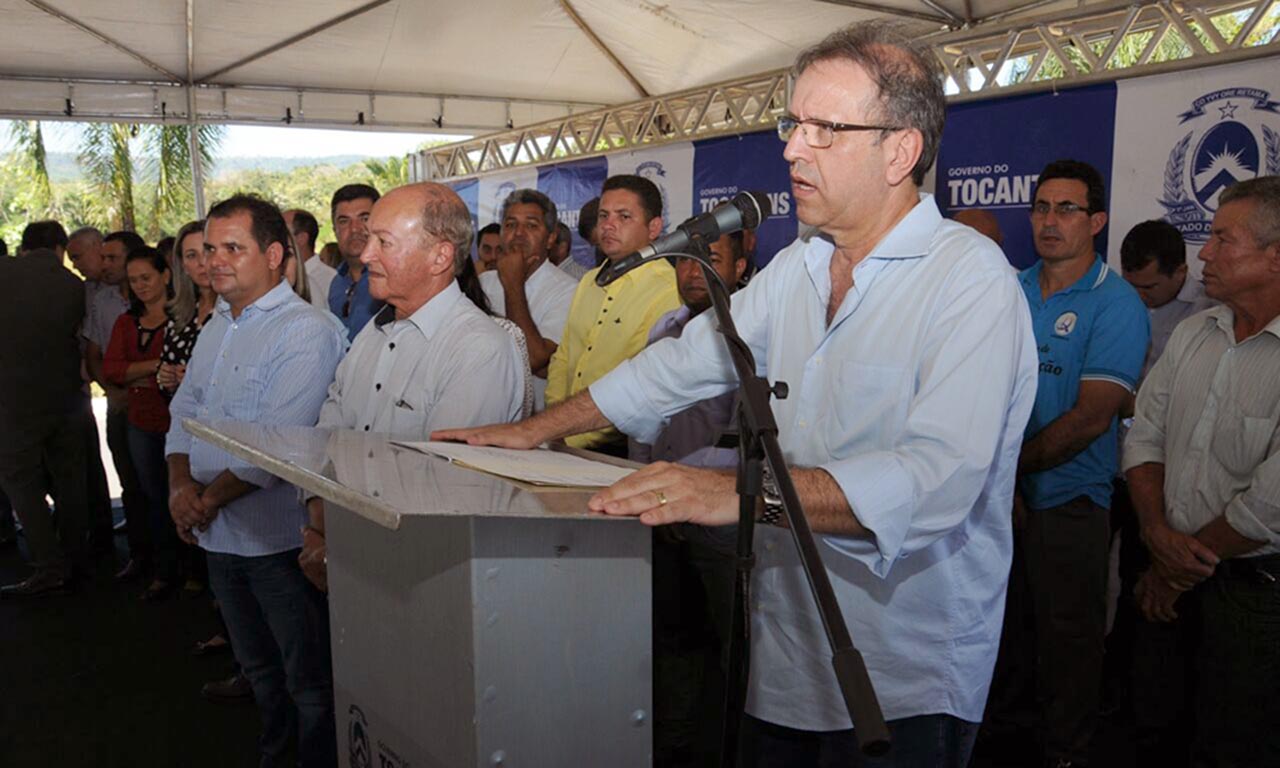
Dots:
pixel 671 168
pixel 1182 138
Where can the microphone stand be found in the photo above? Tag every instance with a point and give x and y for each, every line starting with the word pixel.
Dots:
pixel 759 451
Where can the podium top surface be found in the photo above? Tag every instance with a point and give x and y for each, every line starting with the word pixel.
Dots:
pixel 383 482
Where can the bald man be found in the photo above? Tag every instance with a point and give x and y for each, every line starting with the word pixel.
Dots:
pixel 429 358
pixel 983 221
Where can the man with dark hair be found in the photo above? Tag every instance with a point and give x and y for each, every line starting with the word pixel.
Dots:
pixel 488 247
pixel 110 300
pixel 42 416
pixel 526 288
pixel 1203 465
pixel 266 357
pixel 48 235
pixel 609 325
pixel 349 297
pixel 305 229
pixel 908 348
pixel 562 253
pixel 1092 331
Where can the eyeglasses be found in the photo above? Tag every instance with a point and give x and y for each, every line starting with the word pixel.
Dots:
pixel 819 134
pixel 1061 209
pixel 346 305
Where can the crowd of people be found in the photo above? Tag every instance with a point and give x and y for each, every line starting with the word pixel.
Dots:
pixel 959 433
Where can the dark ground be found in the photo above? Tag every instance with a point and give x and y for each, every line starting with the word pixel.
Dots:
pixel 99 679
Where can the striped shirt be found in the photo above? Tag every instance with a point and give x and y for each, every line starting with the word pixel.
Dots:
pixel 272 365
pixel 1208 411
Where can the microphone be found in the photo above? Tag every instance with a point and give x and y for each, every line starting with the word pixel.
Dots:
pixel 744 210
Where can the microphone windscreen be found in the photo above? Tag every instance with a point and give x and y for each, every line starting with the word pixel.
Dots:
pixel 754 207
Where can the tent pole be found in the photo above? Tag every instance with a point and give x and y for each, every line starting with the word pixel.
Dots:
pixel 193 120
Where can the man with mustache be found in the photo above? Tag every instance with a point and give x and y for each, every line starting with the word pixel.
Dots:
pixel 349 297
pixel 907 347
pixel 1091 331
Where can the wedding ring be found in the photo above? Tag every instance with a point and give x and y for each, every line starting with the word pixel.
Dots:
pixel 662 498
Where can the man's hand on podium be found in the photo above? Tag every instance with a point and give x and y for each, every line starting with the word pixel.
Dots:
pixel 663 493
pixel 517 435
pixel 314 559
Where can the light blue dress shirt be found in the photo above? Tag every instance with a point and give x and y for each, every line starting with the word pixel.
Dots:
pixel 272 365
pixel 914 400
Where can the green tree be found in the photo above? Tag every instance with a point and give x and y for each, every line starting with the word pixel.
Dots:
pixel 30 156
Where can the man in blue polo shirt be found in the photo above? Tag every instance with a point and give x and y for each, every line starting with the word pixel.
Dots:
pixel 349 297
pixel 1091 333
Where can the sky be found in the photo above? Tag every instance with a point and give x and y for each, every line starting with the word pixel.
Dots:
pixel 271 141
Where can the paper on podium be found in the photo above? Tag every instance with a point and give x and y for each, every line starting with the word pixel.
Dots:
pixel 537 467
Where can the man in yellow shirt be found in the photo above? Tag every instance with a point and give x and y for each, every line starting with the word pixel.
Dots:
pixel 609 325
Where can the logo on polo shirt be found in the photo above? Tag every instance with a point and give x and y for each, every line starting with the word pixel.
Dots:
pixel 1065 324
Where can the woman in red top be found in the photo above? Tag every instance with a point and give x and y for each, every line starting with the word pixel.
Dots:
pixel 131 360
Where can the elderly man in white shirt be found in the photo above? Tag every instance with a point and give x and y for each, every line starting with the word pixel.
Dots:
pixel 1203 464
pixel 908 347
pixel 430 357
pixel 526 287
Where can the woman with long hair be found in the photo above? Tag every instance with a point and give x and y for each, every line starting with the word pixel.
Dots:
pixel 189 309
pixel 132 360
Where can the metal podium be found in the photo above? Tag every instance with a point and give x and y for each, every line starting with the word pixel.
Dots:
pixel 474 621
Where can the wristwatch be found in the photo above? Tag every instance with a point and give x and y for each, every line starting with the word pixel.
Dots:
pixel 771 513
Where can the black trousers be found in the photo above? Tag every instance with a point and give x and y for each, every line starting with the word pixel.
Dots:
pixel 99 496
pixel 131 495
pixel 1055 624
pixel 50 463
pixel 1206 687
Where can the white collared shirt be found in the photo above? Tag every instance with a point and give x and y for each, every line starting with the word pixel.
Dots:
pixel 914 399
pixel 549 291
pixel 319 276
pixel 1208 411
pixel 1190 300
pixel 446 365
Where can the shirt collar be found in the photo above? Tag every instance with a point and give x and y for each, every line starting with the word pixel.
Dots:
pixel 909 238
pixel 1095 277
pixel 430 316
pixel 268 301
pixel 1191 291
pixel 1225 319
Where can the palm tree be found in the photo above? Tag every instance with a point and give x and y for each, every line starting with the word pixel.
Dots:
pixel 106 160
pixel 389 173
pixel 29 152
pixel 119 157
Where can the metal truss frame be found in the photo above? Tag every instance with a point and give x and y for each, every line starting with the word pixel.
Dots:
pixel 1003 54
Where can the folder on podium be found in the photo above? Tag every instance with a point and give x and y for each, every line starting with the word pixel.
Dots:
pixel 475 621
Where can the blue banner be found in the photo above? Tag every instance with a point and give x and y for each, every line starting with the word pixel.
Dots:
pixel 570 186
pixel 992 152
pixel 724 167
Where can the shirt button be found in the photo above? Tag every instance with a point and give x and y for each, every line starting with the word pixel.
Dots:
pixel 366 427
pixel 803 424
pixel 588 349
pixel 377 387
pixel 392 345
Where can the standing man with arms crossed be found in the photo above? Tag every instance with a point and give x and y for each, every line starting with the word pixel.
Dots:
pixel 266 357
pixel 908 349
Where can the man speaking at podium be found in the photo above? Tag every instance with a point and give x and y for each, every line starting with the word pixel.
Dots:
pixel 907 345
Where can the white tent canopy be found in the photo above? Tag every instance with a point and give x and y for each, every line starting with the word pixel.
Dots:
pixel 409 64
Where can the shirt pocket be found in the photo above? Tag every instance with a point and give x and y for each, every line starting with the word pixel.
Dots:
pixel 242 389
pixel 869 404
pixel 1241 442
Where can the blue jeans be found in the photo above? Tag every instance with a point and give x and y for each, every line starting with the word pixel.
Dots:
pixel 926 741
pixel 146 452
pixel 279 627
